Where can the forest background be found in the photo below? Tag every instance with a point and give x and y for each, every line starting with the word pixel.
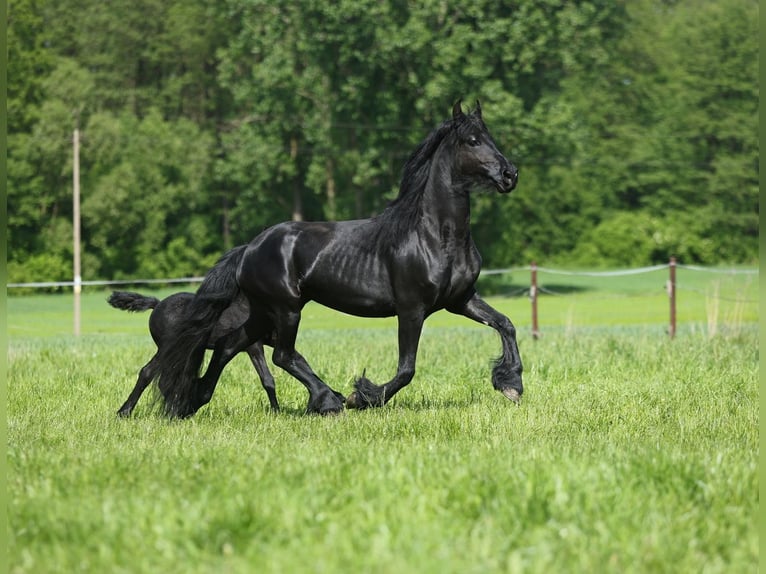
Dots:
pixel 633 124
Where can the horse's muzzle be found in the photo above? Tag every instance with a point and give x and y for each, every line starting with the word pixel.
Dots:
pixel 510 177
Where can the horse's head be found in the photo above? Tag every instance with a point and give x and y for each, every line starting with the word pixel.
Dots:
pixel 477 159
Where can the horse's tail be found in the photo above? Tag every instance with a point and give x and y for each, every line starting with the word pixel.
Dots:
pixel 134 302
pixel 180 359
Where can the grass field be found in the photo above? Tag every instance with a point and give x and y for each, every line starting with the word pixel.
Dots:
pixel 629 453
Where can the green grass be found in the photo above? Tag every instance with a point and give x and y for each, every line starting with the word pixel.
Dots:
pixel 630 452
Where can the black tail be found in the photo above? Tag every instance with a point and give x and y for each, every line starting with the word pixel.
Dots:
pixel 129 301
pixel 180 360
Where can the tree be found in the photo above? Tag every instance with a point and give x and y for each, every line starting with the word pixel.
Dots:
pixel 146 188
pixel 204 121
pixel 659 124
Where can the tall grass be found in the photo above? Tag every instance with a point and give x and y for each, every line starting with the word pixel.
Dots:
pixel 629 453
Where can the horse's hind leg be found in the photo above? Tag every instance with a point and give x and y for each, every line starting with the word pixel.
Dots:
pixel 255 352
pixel 145 376
pixel 322 399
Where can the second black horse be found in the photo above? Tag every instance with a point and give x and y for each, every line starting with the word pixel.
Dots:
pixel 163 325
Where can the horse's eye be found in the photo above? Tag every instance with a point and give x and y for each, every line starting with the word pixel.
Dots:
pixel 473 141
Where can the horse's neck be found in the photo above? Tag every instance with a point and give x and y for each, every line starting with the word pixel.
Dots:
pixel 446 202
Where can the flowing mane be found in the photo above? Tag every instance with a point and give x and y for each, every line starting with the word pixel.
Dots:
pixel 418 166
pixel 403 213
pixel 416 169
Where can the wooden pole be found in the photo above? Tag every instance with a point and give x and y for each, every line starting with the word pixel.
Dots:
pixel 76 224
pixel 533 298
pixel 672 296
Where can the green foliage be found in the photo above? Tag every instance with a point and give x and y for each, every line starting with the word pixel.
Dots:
pixel 29 63
pixel 639 238
pixel 40 268
pixel 205 121
pixel 659 126
pixel 146 175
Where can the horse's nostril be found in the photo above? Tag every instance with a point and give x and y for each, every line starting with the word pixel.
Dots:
pixel 509 175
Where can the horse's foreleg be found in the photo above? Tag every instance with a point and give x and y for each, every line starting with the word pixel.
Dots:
pixel 506 374
pixel 145 376
pixel 367 394
pixel 322 399
pixel 255 352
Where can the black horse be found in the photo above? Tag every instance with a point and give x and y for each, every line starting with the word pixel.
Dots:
pixel 414 258
pixel 163 323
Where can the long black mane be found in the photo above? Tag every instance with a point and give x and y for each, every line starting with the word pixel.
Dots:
pixel 404 212
pixel 416 169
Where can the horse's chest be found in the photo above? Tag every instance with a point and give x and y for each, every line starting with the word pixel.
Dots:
pixel 434 269
pixel 458 272
pixel 459 263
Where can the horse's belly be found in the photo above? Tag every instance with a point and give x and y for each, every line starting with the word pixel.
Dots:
pixel 362 296
pixel 358 306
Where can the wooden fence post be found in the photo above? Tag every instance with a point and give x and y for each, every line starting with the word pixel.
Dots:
pixel 672 296
pixel 533 298
pixel 77 289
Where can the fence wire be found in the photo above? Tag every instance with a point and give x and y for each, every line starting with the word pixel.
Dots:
pixel 532 290
pixel 484 272
pixel 626 272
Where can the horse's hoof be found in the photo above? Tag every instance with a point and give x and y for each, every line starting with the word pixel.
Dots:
pixel 329 404
pixel 352 401
pixel 512 395
pixel 326 412
pixel 366 395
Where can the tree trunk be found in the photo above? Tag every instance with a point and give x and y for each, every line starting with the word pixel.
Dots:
pixel 331 211
pixel 297 200
pixel 226 223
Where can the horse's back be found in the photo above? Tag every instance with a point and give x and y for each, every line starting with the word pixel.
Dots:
pixel 278 256
pixel 167 316
pixel 332 263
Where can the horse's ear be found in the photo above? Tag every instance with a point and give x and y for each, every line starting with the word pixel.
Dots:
pixel 478 109
pixel 457 110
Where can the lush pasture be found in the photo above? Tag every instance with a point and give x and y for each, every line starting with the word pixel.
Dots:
pixel 630 452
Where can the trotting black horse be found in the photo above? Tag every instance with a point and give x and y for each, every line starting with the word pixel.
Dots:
pixel 414 258
pixel 163 324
